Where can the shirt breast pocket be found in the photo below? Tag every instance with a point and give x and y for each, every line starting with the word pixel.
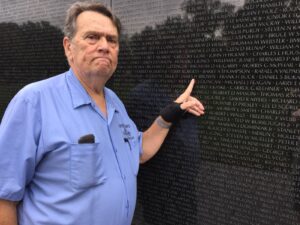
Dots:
pixel 86 165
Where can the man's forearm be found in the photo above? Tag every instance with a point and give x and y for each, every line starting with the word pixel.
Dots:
pixel 153 138
pixel 8 213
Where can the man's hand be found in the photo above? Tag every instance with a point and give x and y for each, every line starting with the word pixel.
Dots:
pixel 190 103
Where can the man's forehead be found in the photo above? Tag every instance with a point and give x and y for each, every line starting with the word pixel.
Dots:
pixel 96 22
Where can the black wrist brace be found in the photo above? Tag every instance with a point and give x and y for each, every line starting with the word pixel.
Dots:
pixel 172 112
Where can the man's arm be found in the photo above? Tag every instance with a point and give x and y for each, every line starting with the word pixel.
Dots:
pixel 153 138
pixel 8 212
pixel 155 135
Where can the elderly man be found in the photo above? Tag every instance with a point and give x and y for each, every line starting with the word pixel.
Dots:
pixel 69 152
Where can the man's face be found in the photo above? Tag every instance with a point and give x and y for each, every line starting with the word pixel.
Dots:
pixel 94 48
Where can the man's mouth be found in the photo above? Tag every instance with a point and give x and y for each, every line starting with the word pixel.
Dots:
pixel 103 59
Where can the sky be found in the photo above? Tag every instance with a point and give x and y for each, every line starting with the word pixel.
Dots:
pixel 237 3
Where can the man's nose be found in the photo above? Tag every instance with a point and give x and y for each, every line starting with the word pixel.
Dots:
pixel 102 44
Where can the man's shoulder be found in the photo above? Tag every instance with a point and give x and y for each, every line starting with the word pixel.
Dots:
pixel 33 90
pixel 51 82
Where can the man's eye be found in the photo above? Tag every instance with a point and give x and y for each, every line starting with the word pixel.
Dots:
pixel 112 40
pixel 92 38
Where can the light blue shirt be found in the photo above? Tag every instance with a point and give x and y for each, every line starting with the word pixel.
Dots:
pixel 57 180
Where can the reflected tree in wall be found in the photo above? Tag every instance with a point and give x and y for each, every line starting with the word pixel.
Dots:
pixel 29 52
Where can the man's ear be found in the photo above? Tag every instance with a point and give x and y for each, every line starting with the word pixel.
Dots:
pixel 67 48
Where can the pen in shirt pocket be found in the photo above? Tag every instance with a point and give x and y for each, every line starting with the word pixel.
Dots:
pixel 128 142
pixel 89 138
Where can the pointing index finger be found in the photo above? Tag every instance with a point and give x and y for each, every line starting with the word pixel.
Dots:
pixel 189 89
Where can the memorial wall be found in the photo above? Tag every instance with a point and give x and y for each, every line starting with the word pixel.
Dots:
pixel 240 163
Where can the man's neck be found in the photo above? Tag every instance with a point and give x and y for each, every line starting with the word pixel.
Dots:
pixel 94 87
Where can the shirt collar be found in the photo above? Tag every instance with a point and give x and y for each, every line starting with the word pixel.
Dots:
pixel 110 104
pixel 78 93
pixel 80 96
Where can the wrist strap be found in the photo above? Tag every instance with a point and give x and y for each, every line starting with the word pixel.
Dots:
pixel 162 124
pixel 172 112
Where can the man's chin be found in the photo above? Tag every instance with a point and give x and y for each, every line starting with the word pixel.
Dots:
pixel 103 70
pixel 105 73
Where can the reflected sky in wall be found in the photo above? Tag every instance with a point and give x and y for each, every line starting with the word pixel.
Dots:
pixel 134 14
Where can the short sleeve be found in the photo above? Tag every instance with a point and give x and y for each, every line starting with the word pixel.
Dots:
pixel 140 140
pixel 19 137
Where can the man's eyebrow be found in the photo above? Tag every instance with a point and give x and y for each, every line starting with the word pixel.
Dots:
pixel 92 32
pixel 100 34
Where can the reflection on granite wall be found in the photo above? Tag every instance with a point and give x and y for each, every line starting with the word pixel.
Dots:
pixel 29 52
pixel 239 164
